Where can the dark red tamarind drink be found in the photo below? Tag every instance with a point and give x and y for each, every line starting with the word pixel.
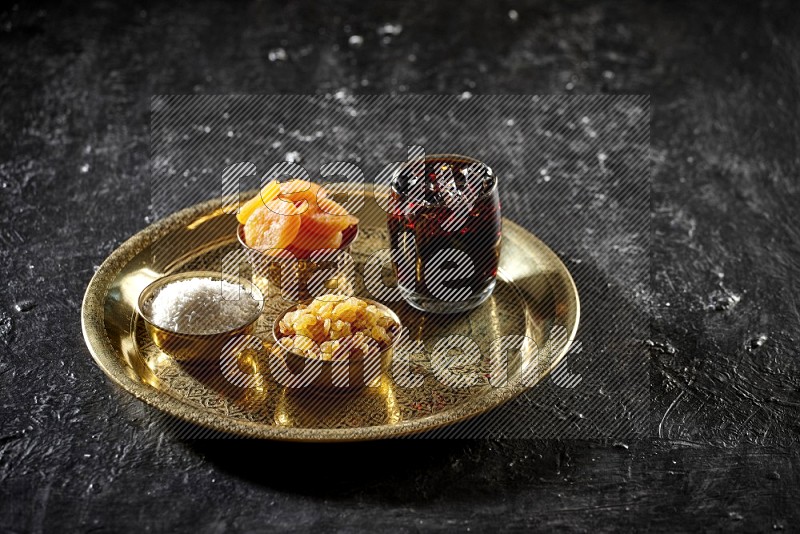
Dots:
pixel 445 228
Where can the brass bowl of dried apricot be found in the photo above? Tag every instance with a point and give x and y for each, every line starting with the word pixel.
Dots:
pixel 335 342
pixel 291 230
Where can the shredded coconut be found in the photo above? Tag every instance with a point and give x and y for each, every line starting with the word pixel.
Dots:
pixel 202 306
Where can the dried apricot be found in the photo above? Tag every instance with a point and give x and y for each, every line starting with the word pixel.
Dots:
pixel 327 219
pixel 302 193
pixel 266 229
pixel 267 194
pixel 294 214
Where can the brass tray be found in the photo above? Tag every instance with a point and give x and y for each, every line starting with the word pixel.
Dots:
pixel 535 297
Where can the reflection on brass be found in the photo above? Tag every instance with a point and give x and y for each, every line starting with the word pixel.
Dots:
pixel 534 297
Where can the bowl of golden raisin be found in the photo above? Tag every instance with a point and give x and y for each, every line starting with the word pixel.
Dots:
pixel 337 340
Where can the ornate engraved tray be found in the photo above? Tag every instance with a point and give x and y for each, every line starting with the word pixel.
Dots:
pixel 535 297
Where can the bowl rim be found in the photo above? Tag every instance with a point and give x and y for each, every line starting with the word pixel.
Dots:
pixel 276 329
pixel 162 281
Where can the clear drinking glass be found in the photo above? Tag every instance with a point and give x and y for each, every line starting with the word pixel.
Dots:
pixel 445 230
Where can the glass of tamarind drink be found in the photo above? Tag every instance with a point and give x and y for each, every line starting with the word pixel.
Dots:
pixel 445 230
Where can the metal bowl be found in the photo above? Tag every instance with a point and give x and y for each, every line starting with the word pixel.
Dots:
pixel 343 375
pixel 190 347
pixel 268 268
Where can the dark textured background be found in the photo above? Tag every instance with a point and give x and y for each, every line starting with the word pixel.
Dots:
pixel 76 454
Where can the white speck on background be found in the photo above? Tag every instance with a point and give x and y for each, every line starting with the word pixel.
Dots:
pixel 390 29
pixel 277 54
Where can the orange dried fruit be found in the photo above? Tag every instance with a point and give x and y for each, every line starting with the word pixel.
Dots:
pixel 302 193
pixel 267 194
pixel 328 219
pixel 294 214
pixel 266 228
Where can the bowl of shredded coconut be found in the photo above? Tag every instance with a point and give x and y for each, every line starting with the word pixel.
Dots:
pixel 192 315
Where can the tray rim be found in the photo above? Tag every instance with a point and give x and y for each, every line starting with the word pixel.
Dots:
pixel 99 346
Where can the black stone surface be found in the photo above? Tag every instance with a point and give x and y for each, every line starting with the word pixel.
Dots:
pixel 78 455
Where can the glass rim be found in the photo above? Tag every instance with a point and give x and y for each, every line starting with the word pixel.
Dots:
pixel 445 157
